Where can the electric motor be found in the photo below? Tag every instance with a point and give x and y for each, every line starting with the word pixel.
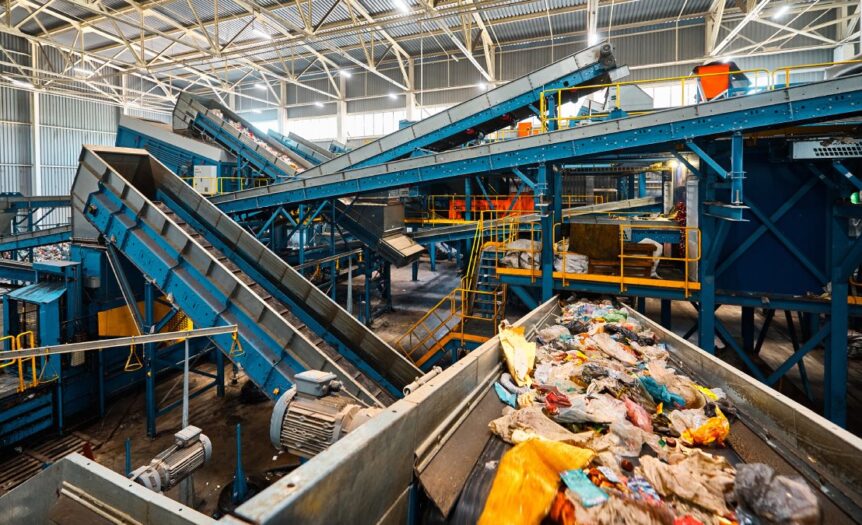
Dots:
pixel 191 450
pixel 312 415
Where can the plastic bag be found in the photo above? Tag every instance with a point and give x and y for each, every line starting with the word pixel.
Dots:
pixel 714 430
pixel 614 349
pixel 784 500
pixel 527 480
pixel 520 354
pixel 592 409
pixel 660 393
pixel 628 438
pixel 637 415
pixel 552 333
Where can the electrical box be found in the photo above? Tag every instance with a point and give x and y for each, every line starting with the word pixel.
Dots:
pixel 205 180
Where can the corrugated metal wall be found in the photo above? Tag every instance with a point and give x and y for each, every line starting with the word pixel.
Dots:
pixel 15 160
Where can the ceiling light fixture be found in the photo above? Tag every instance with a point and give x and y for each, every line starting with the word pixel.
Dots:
pixel 393 96
pixel 263 34
pixel 260 86
pixel 21 83
pixel 482 85
pixel 256 111
pixel 781 12
pixel 345 73
pixel 401 5
pixel 81 70
pixel 319 104
pixel 593 39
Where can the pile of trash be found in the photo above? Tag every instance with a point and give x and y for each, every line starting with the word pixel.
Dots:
pixel 247 133
pixel 527 254
pixel 605 431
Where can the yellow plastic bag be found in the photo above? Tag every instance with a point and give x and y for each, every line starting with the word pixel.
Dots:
pixel 520 354
pixel 527 481
pixel 715 430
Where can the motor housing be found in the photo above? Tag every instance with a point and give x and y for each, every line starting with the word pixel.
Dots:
pixel 313 415
pixel 191 450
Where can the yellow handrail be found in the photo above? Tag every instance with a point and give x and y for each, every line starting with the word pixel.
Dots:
pixel 788 69
pixel 558 93
pixel 10 361
pixel 685 233
pixel 31 337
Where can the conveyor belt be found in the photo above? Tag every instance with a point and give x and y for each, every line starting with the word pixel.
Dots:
pixel 213 120
pixel 309 151
pixel 111 192
pixel 282 309
pixel 22 241
pixel 780 108
pixel 498 108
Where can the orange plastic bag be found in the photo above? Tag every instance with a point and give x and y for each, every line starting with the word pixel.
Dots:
pixel 527 481
pixel 715 430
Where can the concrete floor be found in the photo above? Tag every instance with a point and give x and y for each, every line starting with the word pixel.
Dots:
pixel 412 299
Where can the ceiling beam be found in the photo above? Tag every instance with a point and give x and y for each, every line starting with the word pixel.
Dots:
pixel 749 16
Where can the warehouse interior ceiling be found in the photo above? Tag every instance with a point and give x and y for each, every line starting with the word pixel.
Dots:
pixel 143 53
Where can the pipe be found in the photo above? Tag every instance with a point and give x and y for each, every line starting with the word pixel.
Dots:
pixel 409 389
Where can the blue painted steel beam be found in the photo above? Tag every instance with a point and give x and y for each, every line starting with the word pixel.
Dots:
pixel 847 174
pixel 706 157
pixel 782 108
pixel 17 271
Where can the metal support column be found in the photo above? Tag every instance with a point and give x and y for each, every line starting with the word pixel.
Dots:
pixel 736 172
pixel 557 196
pixel 366 310
pixel 150 360
pixel 468 215
pixel 333 265
pixel 547 224
pixel 666 313
pixel 835 366
pixel 748 329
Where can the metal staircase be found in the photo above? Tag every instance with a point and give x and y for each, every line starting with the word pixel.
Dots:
pixel 469 314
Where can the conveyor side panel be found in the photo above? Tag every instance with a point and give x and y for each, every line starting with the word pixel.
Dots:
pixel 282 281
pixel 110 191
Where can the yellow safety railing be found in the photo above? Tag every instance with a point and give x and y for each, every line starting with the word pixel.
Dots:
pixel 453 311
pixel 31 343
pixel 786 71
pixel 11 361
pixel 207 185
pixel 763 79
pixel 532 257
pixel 617 87
pixel 438 207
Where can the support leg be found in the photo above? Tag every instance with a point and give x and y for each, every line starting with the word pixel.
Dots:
pixel 666 313
pixel 150 362
pixel 748 329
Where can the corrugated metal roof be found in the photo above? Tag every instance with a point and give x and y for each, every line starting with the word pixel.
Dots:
pixel 39 293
